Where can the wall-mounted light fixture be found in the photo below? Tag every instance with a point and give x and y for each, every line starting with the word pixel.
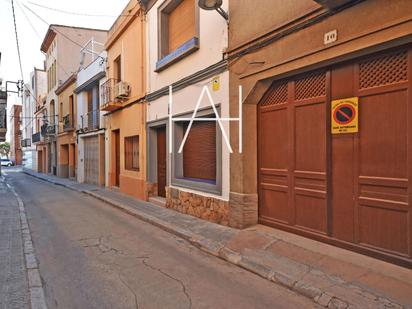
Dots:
pixel 210 5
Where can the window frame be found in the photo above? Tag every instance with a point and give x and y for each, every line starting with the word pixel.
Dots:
pixel 117 68
pixel 165 57
pixel 177 178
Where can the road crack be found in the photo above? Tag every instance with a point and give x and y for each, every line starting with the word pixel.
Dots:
pixel 130 289
pixel 144 261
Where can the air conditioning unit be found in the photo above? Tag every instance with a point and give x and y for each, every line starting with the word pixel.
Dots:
pixel 121 90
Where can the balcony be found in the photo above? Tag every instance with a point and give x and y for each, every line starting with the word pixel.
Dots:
pixel 68 123
pixel 48 130
pixel 113 93
pixel 90 121
pixel 36 137
pixel 26 142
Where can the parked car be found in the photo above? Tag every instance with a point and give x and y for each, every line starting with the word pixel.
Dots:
pixel 6 162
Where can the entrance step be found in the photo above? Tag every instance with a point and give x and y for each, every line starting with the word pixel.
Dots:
pixel 158 200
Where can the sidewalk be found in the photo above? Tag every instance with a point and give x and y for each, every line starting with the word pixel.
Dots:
pixel 332 277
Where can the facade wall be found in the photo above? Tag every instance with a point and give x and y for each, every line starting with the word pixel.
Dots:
pixel 200 198
pixel 87 81
pixel 67 57
pixel 16 154
pixel 129 122
pixel 126 39
pixel 66 137
pixel 289 48
pixel 387 24
pixel 213 38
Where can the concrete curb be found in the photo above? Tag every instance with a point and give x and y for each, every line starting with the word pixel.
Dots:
pixel 296 284
pixel 36 291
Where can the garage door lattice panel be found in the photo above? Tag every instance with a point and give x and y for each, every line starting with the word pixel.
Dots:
pixel 384 70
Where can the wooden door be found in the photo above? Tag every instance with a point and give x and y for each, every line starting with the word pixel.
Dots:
pixel 383 153
pixel 350 189
pixel 161 161
pixel 40 161
pixel 293 154
pixel 117 157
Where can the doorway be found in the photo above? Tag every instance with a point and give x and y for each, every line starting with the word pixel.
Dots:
pixel 116 157
pixel 161 161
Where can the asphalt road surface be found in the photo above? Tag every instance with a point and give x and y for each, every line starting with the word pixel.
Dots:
pixel 94 256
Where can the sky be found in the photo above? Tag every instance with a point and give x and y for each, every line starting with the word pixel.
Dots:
pixel 31 30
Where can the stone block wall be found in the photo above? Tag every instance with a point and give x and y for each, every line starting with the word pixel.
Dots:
pixel 203 207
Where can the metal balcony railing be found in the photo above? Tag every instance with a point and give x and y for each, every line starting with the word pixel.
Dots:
pixel 67 122
pixel 36 137
pixel 90 121
pixel 48 130
pixel 107 91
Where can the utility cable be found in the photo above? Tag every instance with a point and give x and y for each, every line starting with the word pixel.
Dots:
pixel 17 39
pixel 61 33
pixel 75 13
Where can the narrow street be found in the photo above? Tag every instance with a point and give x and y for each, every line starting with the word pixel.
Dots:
pixel 93 256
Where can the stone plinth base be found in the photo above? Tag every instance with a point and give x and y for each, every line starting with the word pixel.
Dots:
pixel 243 210
pixel 204 207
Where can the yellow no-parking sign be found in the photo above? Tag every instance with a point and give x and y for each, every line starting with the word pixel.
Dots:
pixel 344 116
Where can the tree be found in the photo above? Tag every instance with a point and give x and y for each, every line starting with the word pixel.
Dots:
pixel 5 149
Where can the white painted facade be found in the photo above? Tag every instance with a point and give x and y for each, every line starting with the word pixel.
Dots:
pixel 86 77
pixel 213 41
pixel 34 91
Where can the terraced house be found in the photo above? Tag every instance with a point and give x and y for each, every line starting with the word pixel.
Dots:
pixel 185 51
pixel 60 45
pixel 123 98
pixel 91 124
pixel 321 79
pixel 66 135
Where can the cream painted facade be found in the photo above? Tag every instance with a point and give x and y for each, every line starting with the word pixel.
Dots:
pixel 126 117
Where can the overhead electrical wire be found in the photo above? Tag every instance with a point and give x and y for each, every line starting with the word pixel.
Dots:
pixel 61 33
pixel 20 62
pixel 75 13
pixel 39 36
pixel 17 39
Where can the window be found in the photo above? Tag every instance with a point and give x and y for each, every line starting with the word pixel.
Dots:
pixel 181 24
pixel 178 31
pixel 118 68
pixel 199 166
pixel 61 112
pixel 131 153
pixel 199 152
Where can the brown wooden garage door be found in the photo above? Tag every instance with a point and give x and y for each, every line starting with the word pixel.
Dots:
pixel 91 160
pixel 350 189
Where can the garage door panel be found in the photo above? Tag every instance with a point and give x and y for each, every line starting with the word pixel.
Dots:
pixel 311 211
pixel 384 228
pixel 390 189
pixel 310 137
pixel 354 187
pixel 275 201
pixel 383 135
pixel 91 159
pixel 310 181
pixel 274 128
